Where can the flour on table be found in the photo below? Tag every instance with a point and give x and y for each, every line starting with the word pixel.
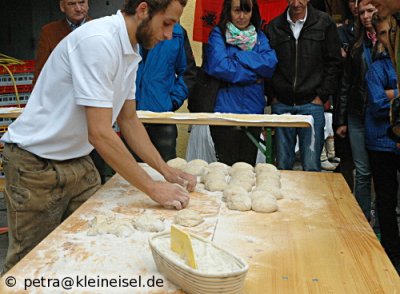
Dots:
pixel 188 218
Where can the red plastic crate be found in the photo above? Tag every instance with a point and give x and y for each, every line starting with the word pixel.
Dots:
pixel 28 66
pixel 20 88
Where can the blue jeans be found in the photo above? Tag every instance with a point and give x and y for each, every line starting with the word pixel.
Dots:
pixel 362 190
pixel 285 138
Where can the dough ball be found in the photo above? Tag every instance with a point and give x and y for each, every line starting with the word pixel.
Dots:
pixel 265 167
pixel 275 191
pixel 268 174
pixel 196 170
pixel 216 185
pixel 264 204
pixel 242 173
pixel 260 194
pixel 188 218
pixel 239 202
pixel 233 191
pixel 244 178
pixel 218 167
pixel 213 175
pixel 149 223
pixel 177 162
pixel 271 181
pixel 245 185
pixel 242 165
pixel 199 162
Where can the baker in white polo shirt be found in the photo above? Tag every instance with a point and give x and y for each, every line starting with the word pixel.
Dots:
pixel 85 86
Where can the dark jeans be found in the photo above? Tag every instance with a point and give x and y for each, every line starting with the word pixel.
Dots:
pixel 233 145
pixel 285 138
pixel 163 138
pixel 346 166
pixel 384 166
pixel 362 189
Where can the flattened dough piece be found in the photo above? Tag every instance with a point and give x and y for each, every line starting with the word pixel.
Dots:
pixel 188 218
pixel 108 224
pixel 149 223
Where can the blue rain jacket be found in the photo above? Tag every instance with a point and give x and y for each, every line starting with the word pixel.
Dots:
pixel 380 76
pixel 159 85
pixel 244 72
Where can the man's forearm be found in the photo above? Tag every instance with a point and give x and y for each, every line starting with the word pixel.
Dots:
pixel 114 152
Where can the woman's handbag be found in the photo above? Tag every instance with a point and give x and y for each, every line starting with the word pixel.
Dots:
pixel 203 95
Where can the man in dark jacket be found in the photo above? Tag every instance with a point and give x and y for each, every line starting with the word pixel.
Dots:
pixel 309 63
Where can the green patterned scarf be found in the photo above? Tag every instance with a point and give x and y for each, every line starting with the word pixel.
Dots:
pixel 244 39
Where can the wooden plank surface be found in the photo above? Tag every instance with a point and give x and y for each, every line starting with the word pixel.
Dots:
pixel 224 119
pixel 318 241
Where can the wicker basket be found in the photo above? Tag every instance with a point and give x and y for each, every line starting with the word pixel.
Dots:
pixel 192 281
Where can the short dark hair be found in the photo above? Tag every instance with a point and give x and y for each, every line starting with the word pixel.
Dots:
pixel 155 5
pixel 245 5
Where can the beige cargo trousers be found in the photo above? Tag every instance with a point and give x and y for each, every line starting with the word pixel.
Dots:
pixel 40 193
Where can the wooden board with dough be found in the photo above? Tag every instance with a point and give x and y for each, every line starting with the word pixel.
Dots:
pixel 317 242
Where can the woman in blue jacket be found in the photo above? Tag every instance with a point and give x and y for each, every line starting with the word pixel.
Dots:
pixel 239 55
pixel 384 155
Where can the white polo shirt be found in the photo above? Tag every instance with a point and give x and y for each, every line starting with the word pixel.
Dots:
pixel 95 65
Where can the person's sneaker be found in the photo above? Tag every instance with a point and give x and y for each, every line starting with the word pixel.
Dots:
pixel 326 165
pixel 334 159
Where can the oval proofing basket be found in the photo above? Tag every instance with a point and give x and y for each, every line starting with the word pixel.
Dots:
pixel 192 281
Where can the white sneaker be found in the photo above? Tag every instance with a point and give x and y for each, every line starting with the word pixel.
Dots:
pixel 334 159
pixel 326 165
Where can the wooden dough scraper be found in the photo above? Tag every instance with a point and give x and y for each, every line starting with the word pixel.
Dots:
pixel 181 243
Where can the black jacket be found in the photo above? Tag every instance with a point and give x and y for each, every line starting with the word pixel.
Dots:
pixel 309 67
pixel 353 93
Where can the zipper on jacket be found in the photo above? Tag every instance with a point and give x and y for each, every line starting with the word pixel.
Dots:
pixel 295 71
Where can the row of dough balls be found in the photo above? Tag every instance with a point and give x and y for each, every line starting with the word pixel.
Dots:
pixel 214 175
pixel 244 187
pixel 259 201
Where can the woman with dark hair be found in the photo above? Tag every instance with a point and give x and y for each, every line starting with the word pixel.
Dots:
pixel 238 53
pixel 351 103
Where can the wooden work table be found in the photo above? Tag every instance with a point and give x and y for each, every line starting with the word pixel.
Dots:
pixel 318 241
